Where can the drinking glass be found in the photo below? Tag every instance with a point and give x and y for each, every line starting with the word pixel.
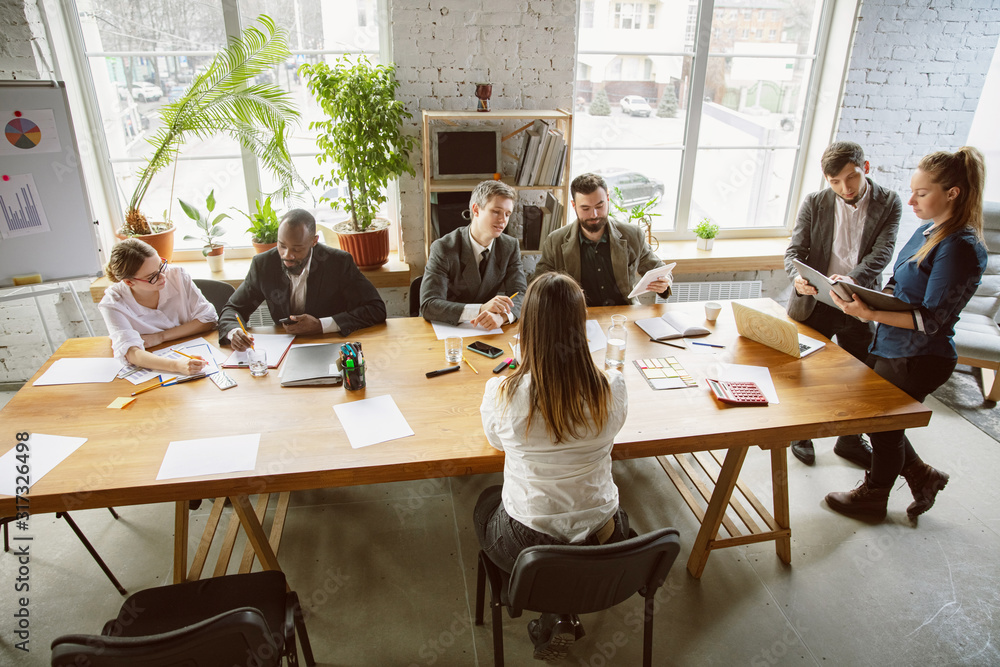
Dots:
pixel 614 355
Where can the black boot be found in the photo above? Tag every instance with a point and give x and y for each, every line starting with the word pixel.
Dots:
pixel 855 449
pixel 803 451
pixel 553 634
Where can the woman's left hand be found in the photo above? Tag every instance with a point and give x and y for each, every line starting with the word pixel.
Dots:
pixel 856 308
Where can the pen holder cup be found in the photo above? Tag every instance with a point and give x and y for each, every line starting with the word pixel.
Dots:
pixel 354 378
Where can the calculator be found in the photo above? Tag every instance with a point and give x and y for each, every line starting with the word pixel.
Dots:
pixel 737 393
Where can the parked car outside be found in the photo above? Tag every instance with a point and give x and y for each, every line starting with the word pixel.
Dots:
pixel 143 91
pixel 634 105
pixel 635 187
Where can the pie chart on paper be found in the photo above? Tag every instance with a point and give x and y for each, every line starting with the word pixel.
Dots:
pixel 22 133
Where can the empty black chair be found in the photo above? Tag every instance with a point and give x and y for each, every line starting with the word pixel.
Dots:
pixel 568 579
pixel 415 296
pixel 235 619
pixel 216 291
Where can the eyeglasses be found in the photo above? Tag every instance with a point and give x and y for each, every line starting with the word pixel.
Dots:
pixel 156 276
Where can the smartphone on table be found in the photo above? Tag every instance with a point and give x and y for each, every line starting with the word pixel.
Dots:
pixel 486 350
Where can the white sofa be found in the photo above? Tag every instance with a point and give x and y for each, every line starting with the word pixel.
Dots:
pixel 977 335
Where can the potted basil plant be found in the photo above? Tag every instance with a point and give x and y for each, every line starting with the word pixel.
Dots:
pixel 706 231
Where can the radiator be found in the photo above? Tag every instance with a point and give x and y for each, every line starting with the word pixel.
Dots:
pixel 262 316
pixel 713 291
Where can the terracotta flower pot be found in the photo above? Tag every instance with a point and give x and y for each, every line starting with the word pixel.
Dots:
pixel 370 248
pixel 162 242
pixel 262 247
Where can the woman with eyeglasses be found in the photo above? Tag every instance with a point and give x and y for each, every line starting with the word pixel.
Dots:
pixel 150 303
pixel 555 418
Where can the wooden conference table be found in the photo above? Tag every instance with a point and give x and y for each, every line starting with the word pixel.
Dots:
pixel 303 445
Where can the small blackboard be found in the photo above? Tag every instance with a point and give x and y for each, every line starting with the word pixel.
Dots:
pixel 465 153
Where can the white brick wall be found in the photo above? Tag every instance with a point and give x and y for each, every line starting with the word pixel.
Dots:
pixel 442 49
pixel 915 77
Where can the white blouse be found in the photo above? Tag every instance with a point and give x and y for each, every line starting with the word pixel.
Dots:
pixel 180 301
pixel 564 490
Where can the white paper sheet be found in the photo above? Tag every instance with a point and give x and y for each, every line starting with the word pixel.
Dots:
pixel 210 456
pixel 643 285
pixel 45 452
pixel 463 330
pixel 275 344
pixel 80 371
pixel 372 420
pixel 596 340
pixel 760 375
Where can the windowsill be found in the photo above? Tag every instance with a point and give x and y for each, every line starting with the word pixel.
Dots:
pixel 756 254
pixel 393 273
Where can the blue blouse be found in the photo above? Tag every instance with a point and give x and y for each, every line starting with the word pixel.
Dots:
pixel 941 286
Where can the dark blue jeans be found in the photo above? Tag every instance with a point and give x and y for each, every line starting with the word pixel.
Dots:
pixel 917 376
pixel 503 538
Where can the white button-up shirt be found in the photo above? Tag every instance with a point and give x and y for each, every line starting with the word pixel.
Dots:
pixel 849 225
pixel 297 298
pixel 564 490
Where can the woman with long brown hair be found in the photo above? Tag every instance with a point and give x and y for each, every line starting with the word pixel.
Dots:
pixel 937 272
pixel 555 418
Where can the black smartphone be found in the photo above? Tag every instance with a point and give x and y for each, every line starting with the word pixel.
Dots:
pixel 286 321
pixel 486 350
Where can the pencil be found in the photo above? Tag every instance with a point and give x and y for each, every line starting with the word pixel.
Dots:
pixel 189 356
pixel 136 393
pixel 514 294
pixel 238 320
pixel 470 365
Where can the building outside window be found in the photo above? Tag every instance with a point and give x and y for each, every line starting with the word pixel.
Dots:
pixel 142 54
pixel 730 148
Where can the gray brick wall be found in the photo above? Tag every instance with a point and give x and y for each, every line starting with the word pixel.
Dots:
pixel 916 72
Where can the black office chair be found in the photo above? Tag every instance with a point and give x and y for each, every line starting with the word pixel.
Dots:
pixel 570 579
pixel 415 296
pixel 220 621
pixel 216 291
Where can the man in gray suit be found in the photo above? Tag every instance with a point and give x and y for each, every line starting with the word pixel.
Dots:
pixel 847 232
pixel 605 257
pixel 468 267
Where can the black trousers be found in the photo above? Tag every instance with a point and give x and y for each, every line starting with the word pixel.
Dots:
pixel 917 376
pixel 852 334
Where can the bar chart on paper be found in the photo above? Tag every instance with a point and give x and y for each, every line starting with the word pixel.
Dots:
pixel 21 212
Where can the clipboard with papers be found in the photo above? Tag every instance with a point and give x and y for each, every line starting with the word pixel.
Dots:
pixel 843 289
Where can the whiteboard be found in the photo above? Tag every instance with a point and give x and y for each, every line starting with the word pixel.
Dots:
pixel 46 225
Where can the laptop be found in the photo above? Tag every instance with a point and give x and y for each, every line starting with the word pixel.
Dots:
pixel 775 332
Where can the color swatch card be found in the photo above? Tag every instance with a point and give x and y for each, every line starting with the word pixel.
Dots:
pixel 665 373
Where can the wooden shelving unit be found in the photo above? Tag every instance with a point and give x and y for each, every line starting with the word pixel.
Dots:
pixel 560 118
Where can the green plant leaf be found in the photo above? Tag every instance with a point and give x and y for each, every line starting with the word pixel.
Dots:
pixel 190 211
pixel 210 201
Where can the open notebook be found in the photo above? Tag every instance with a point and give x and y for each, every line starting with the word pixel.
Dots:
pixel 671 325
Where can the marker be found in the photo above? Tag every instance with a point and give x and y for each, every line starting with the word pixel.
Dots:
pixel 503 364
pixel 470 365
pixel 694 342
pixel 434 374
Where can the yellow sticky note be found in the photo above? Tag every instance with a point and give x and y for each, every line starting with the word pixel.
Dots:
pixel 121 402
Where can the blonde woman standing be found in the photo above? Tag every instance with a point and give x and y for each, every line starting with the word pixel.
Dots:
pixel 150 303
pixel 937 271
pixel 555 418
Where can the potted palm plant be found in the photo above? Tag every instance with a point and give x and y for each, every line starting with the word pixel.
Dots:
pixel 211 230
pixel 363 144
pixel 223 99
pixel 263 229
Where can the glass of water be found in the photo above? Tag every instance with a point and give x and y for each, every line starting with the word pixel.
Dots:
pixel 453 349
pixel 258 362
pixel 614 355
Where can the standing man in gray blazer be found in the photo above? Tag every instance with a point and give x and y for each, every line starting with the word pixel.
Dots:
pixel 469 267
pixel 847 232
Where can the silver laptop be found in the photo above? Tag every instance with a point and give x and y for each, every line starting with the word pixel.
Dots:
pixel 775 332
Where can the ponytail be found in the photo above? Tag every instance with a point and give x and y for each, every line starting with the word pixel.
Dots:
pixel 964 169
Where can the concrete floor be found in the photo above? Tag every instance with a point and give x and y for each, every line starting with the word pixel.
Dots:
pixel 387 573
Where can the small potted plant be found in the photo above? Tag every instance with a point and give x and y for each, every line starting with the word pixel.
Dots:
pixel 362 142
pixel 637 215
pixel 263 228
pixel 210 231
pixel 706 231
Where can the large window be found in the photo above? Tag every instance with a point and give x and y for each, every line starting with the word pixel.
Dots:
pixel 713 127
pixel 143 53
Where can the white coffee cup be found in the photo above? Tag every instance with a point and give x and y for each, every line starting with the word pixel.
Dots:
pixel 712 310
